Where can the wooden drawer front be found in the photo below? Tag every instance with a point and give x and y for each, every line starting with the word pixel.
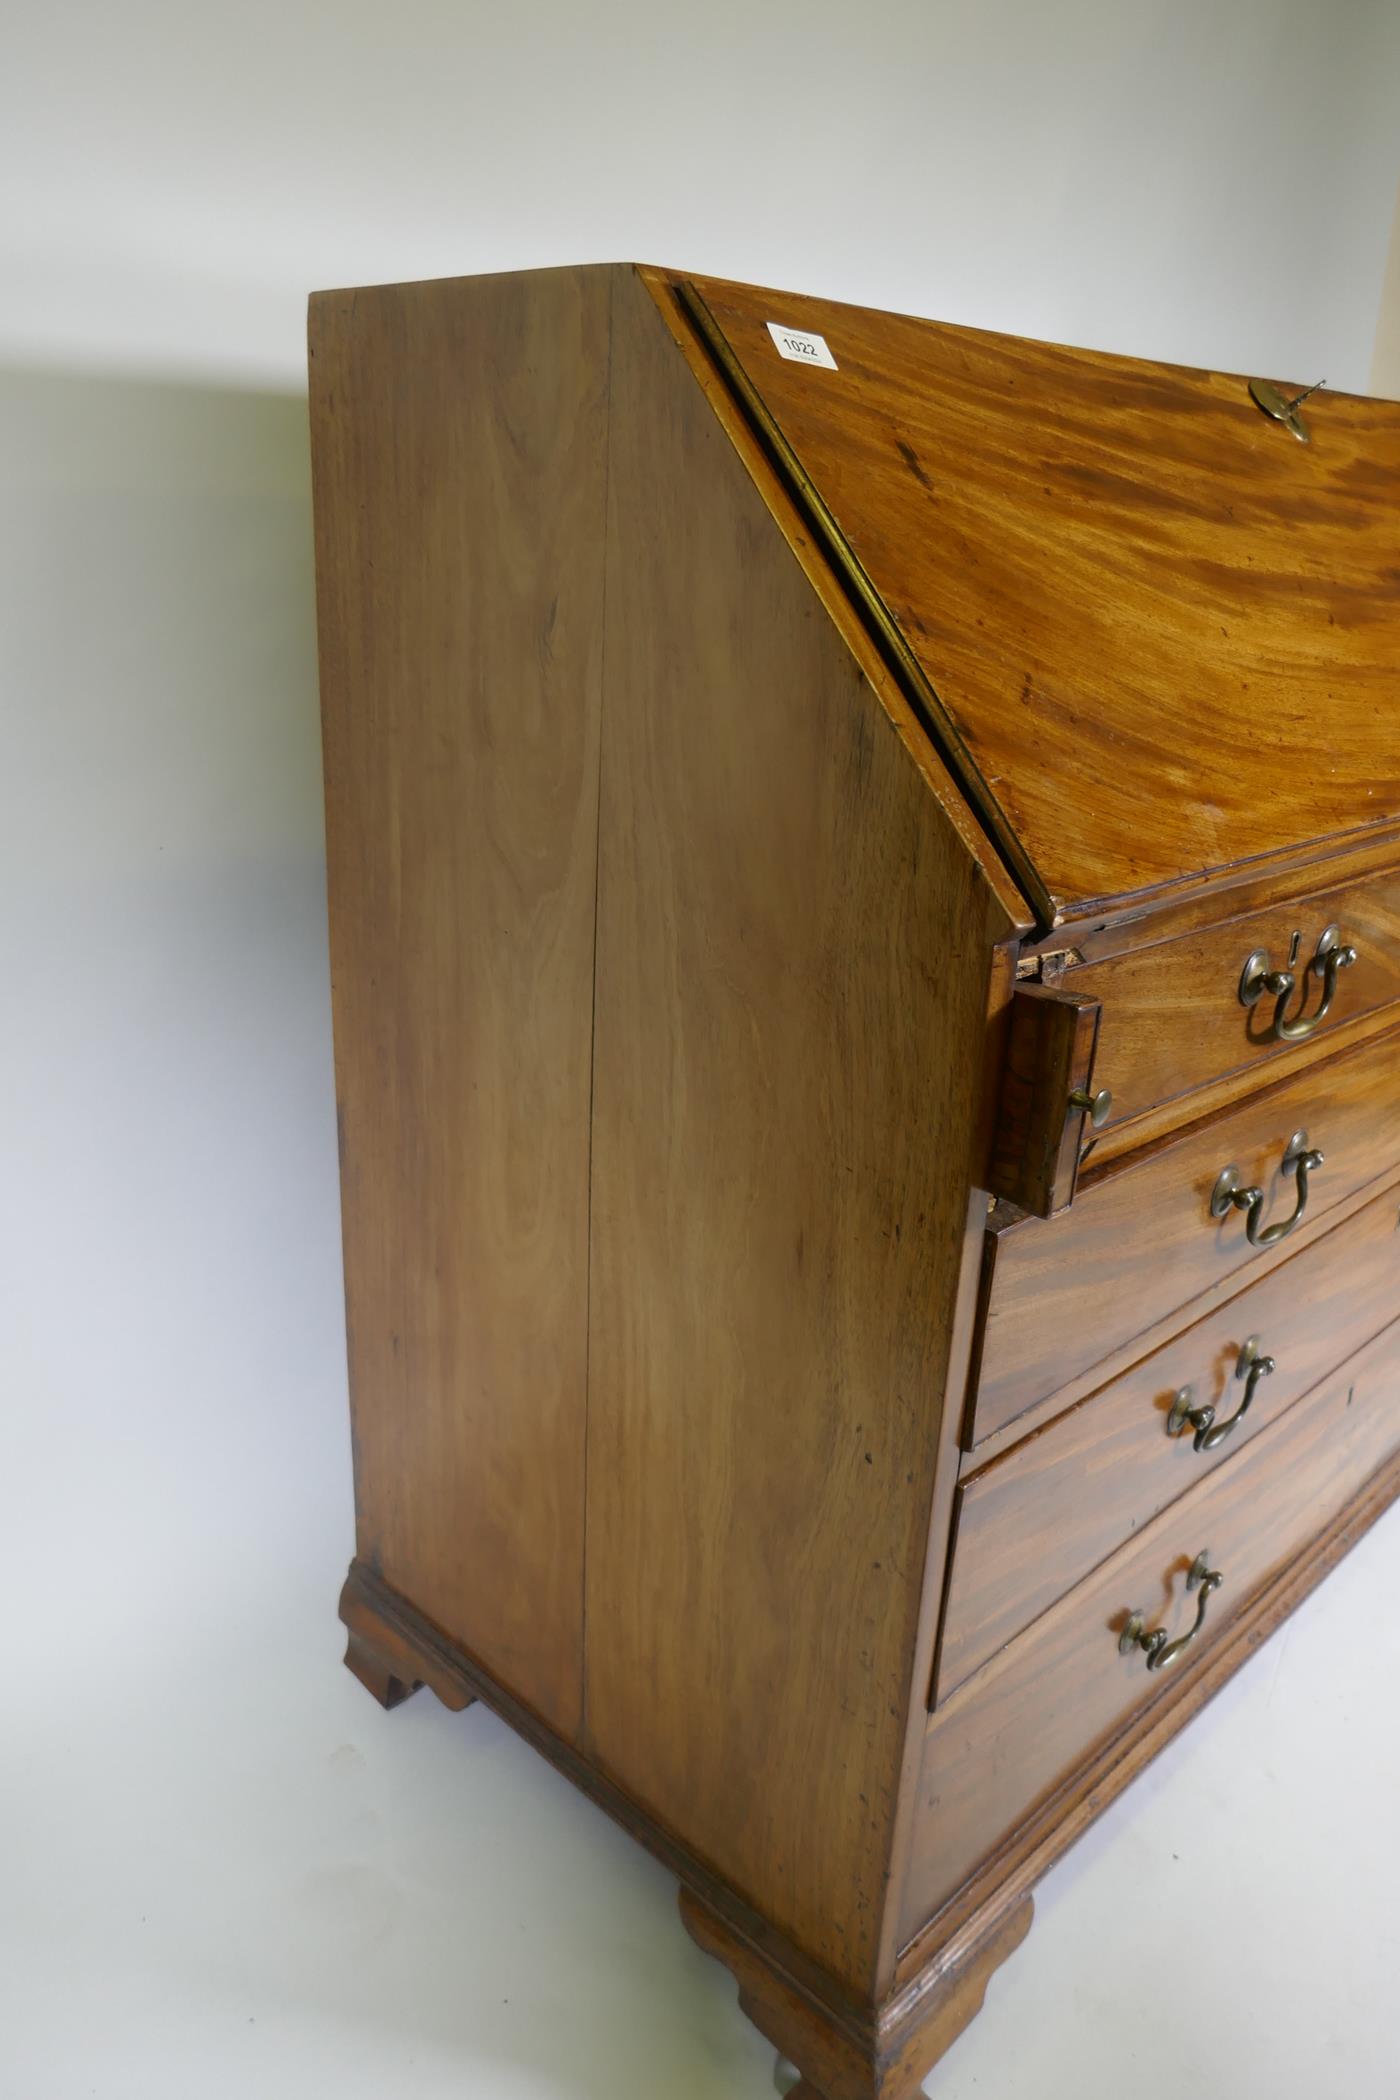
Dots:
pixel 1172 1020
pixel 1038 1518
pixel 1021 1727
pixel 1063 1295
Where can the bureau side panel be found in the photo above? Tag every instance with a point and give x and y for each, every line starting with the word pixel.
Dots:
pixel 794 959
pixel 459 439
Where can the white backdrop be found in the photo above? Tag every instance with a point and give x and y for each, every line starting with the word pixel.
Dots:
pixel 222 1870
pixel 1208 180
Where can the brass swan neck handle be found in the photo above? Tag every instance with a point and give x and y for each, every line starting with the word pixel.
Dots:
pixel 1160 1652
pixel 1251 1365
pixel 1330 957
pixel 1228 1193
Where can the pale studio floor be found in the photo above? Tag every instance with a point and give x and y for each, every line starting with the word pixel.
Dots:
pixel 232 1874
pixel 223 1871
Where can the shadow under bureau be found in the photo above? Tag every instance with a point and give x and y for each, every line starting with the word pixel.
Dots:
pixel 865 929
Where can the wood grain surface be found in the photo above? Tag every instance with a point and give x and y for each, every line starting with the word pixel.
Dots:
pixel 1160 635
pixel 884 2056
pixel 1025 1722
pixel 1172 1018
pixel 459 439
pixel 1063 1294
pixel 1037 1519
pixel 787 922
pixel 1039 1134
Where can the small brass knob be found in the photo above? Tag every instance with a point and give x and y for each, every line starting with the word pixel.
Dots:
pixel 1097 1107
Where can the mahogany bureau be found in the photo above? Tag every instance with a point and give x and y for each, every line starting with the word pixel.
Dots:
pixel 865 926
